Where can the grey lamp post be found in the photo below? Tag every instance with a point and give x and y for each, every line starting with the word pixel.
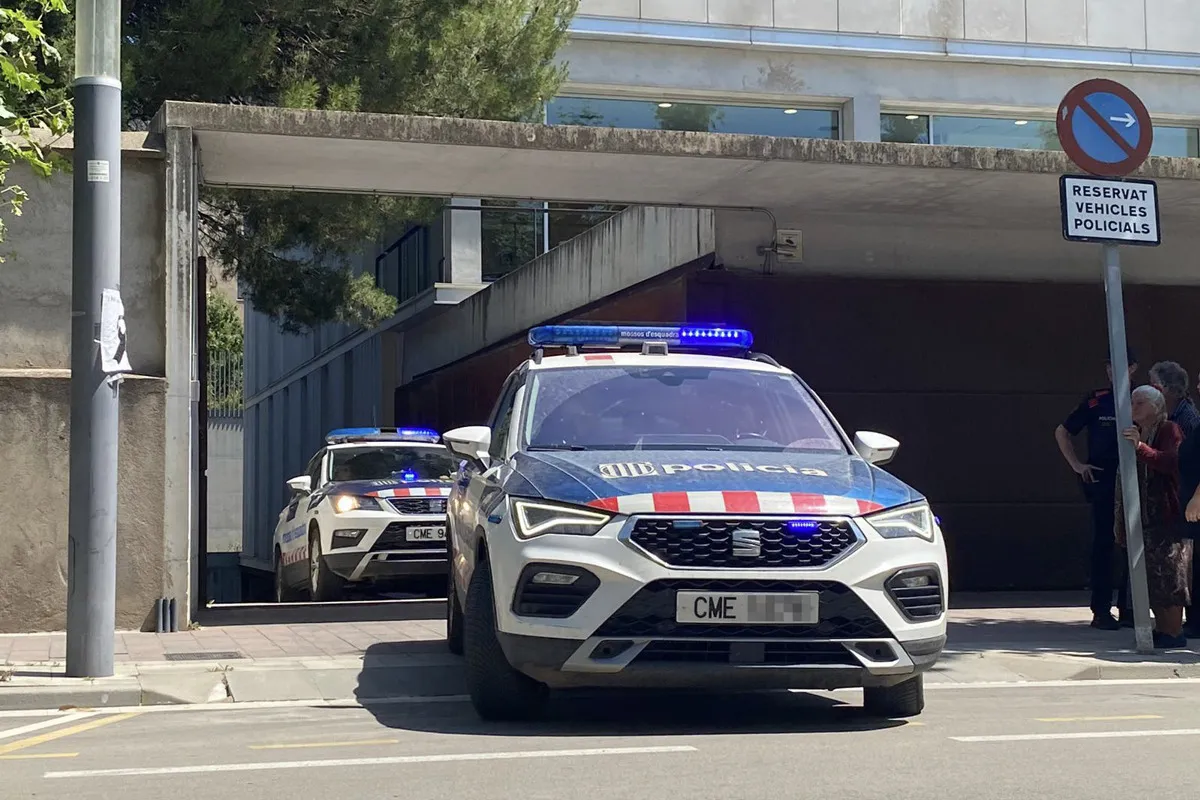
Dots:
pixel 96 273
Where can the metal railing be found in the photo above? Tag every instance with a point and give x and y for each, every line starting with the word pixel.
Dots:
pixel 404 270
pixel 226 384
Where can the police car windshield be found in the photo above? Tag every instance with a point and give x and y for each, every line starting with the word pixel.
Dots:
pixel 373 463
pixel 674 408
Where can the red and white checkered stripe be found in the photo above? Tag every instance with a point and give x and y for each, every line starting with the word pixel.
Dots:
pixel 736 503
pixel 432 492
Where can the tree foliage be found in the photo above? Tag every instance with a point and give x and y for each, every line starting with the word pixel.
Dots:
pixel 489 59
pixel 32 92
pixel 225 359
pixel 225 333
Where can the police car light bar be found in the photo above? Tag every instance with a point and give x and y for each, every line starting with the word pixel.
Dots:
pixel 698 336
pixel 382 435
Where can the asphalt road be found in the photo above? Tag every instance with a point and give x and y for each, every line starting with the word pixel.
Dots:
pixel 1090 740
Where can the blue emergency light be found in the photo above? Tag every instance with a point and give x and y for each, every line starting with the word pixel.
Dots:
pixel 698 336
pixel 803 527
pixel 342 435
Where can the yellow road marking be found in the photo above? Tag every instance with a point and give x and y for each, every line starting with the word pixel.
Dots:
pixel 299 745
pixel 34 741
pixel 1099 719
pixel 38 755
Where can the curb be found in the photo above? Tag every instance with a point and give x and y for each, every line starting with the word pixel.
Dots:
pixel 431 677
pixel 283 682
pixel 110 692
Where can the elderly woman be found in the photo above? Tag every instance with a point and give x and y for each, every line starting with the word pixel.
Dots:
pixel 1168 557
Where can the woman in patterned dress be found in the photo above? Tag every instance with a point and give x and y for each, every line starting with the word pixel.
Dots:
pixel 1168 557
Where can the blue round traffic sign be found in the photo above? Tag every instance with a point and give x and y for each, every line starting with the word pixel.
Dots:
pixel 1104 128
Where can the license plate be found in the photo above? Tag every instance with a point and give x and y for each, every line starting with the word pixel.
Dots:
pixel 426 534
pixel 733 608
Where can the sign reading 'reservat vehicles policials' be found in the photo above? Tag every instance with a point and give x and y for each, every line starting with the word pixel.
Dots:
pixel 1105 129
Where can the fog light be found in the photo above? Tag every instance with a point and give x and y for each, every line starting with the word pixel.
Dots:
pixel 348 537
pixel 555 578
pixel 914 581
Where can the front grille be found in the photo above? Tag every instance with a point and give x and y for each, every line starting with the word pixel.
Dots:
pixel 651 613
pixel 709 543
pixel 780 654
pixel 394 538
pixel 917 602
pixel 555 601
pixel 419 505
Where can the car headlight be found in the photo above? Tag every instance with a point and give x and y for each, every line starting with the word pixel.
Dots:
pixel 898 523
pixel 343 503
pixel 539 519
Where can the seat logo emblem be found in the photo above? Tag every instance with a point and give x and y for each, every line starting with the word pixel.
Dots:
pixel 747 543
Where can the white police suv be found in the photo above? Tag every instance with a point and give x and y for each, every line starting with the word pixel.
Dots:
pixel 663 507
pixel 371 508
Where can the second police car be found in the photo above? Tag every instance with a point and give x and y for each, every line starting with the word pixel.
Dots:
pixel 370 509
pixel 663 507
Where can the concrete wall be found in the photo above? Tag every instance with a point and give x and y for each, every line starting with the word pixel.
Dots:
pixel 1170 25
pixel 35 308
pixel 35 440
pixel 35 280
pixel 224 501
pixel 633 246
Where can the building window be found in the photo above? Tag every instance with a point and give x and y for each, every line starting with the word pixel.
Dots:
pixel 1017 134
pixel 805 123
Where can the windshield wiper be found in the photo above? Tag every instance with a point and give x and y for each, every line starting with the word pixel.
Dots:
pixel 542 447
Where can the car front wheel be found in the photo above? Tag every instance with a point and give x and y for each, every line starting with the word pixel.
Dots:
pixel 326 587
pixel 905 699
pixel 498 691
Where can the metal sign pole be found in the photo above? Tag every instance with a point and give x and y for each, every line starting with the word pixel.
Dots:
pixel 1131 495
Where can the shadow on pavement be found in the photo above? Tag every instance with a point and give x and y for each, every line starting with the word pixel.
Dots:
pixel 594 713
pixel 1033 635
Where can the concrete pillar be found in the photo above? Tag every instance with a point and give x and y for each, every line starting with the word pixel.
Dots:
pixel 463 242
pixel 180 536
pixel 860 119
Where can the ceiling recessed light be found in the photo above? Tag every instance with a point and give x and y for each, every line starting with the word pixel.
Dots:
pixel 1021 122
pixel 789 111
pixel 665 105
pixel 912 116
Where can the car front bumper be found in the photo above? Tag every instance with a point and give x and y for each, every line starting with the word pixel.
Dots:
pixel 648 662
pixel 383 551
pixel 625 633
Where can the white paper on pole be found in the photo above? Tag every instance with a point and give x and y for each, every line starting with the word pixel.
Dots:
pixel 114 353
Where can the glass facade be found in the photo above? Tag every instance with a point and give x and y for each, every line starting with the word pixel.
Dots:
pixel 1019 134
pixel 805 123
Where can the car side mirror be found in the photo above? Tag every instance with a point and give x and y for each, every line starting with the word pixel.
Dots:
pixel 471 442
pixel 875 448
pixel 301 484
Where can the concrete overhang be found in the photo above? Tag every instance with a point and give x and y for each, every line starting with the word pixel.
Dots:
pixel 865 208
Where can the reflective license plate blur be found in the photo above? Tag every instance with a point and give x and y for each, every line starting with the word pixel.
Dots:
pixel 733 608
pixel 426 534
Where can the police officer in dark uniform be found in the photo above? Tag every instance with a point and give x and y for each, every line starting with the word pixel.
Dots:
pixel 1098 416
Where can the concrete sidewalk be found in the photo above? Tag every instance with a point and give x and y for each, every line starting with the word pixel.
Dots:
pixel 989 642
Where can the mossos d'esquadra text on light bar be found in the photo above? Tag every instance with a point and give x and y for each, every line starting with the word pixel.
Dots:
pixel 699 336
